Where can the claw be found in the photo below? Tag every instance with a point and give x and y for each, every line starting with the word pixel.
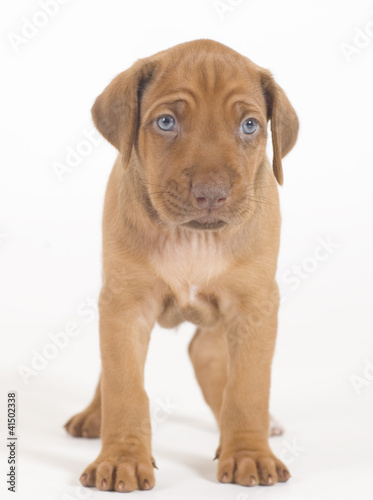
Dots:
pixel 253 481
pixel 146 485
pixel 84 479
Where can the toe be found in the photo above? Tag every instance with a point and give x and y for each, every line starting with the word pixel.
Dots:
pixel 267 471
pixel 225 470
pixel 104 476
pixel 145 476
pixel 282 472
pixel 74 427
pixel 91 426
pixel 126 479
pixel 246 472
pixel 88 478
pixel 66 426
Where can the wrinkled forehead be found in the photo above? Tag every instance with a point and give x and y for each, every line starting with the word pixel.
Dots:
pixel 205 76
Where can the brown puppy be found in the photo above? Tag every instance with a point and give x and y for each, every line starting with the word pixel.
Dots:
pixel 190 232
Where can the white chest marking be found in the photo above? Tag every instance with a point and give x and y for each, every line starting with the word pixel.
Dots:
pixel 188 263
pixel 193 289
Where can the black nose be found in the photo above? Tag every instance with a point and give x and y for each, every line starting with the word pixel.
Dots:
pixel 210 195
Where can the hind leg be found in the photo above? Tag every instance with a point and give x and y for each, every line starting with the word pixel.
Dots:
pixel 87 423
pixel 209 355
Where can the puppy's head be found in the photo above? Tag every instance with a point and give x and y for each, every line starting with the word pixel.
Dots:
pixel 196 116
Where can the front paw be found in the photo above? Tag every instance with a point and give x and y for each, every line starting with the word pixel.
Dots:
pixel 120 471
pixel 250 468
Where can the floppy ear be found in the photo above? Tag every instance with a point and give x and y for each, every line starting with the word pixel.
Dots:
pixel 284 122
pixel 116 111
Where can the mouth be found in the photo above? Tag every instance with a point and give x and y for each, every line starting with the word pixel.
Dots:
pixel 205 223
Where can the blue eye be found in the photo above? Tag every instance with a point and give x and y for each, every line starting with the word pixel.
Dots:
pixel 166 123
pixel 249 126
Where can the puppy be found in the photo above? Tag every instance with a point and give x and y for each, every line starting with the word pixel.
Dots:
pixel 191 231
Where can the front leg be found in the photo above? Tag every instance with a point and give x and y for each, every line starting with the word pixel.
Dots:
pixel 244 453
pixel 125 462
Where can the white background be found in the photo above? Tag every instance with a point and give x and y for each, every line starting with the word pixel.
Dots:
pixel 50 246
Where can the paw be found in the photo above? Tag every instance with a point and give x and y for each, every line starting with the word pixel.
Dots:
pixel 275 429
pixel 249 468
pixel 85 424
pixel 120 472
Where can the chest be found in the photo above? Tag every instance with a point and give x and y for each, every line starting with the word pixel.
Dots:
pixel 190 264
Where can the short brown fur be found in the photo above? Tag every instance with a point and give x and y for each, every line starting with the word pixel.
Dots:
pixel 168 257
